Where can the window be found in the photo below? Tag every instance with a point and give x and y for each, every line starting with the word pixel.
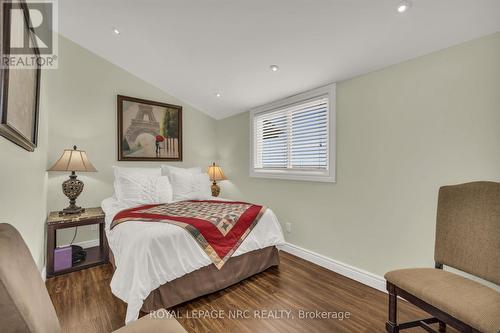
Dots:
pixel 295 138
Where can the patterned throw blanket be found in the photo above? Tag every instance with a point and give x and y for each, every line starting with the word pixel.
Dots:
pixel 219 227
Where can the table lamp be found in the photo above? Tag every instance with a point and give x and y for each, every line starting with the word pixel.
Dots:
pixel 215 173
pixel 73 160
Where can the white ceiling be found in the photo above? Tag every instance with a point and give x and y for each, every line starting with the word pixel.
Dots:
pixel 194 49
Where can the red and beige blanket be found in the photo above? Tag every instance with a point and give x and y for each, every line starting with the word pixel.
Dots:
pixel 219 227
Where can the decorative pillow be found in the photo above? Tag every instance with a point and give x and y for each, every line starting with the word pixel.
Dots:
pixel 202 186
pixel 190 186
pixel 141 186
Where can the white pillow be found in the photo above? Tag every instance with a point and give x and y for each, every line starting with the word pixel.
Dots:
pixel 136 171
pixel 166 170
pixel 190 186
pixel 141 186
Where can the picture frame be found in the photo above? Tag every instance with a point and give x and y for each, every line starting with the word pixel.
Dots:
pixel 148 130
pixel 19 87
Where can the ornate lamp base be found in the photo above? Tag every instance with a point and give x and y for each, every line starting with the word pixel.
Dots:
pixel 70 210
pixel 215 189
pixel 72 189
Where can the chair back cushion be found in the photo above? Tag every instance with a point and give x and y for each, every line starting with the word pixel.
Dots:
pixel 25 305
pixel 468 229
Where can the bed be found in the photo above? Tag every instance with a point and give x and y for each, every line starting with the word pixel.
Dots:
pixel 159 265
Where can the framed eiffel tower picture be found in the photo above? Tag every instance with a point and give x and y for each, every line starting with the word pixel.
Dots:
pixel 148 130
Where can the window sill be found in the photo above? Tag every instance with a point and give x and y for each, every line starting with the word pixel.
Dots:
pixel 290 175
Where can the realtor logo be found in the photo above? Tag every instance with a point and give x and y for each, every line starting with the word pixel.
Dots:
pixel 29 36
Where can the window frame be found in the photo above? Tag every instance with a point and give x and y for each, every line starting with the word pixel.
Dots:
pixel 328 175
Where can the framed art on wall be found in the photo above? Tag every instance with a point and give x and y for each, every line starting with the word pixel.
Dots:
pixel 148 130
pixel 19 85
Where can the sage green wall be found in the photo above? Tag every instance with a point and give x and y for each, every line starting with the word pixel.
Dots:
pixel 23 185
pixel 82 111
pixel 402 132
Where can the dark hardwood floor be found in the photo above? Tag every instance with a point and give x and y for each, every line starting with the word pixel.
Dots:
pixel 84 302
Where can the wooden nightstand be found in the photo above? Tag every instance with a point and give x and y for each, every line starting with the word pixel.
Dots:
pixel 96 255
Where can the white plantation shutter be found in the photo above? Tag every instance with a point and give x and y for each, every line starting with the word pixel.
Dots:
pixel 309 135
pixel 294 137
pixel 271 140
pixel 293 140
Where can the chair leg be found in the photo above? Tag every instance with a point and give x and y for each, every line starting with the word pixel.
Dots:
pixel 391 325
pixel 442 327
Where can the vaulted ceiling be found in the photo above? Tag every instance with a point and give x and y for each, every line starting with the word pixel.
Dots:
pixel 196 49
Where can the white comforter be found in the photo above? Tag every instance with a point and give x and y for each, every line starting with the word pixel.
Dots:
pixel 148 255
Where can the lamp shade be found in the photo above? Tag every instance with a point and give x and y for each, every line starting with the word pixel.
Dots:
pixel 215 172
pixel 73 160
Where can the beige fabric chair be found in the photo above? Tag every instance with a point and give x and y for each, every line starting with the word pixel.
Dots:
pixel 468 239
pixel 25 305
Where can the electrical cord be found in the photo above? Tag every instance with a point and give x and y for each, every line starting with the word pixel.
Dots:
pixel 74 236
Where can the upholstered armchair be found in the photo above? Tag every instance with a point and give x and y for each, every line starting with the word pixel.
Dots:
pixel 25 305
pixel 467 239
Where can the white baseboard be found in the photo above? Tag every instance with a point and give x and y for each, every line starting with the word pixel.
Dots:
pixel 43 273
pixel 346 270
pixel 86 244
pixel 357 274
pixel 89 243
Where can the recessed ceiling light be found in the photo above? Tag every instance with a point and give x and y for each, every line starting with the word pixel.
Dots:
pixel 274 68
pixel 218 95
pixel 116 31
pixel 404 6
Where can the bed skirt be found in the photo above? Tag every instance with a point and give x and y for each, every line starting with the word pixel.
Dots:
pixel 208 279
